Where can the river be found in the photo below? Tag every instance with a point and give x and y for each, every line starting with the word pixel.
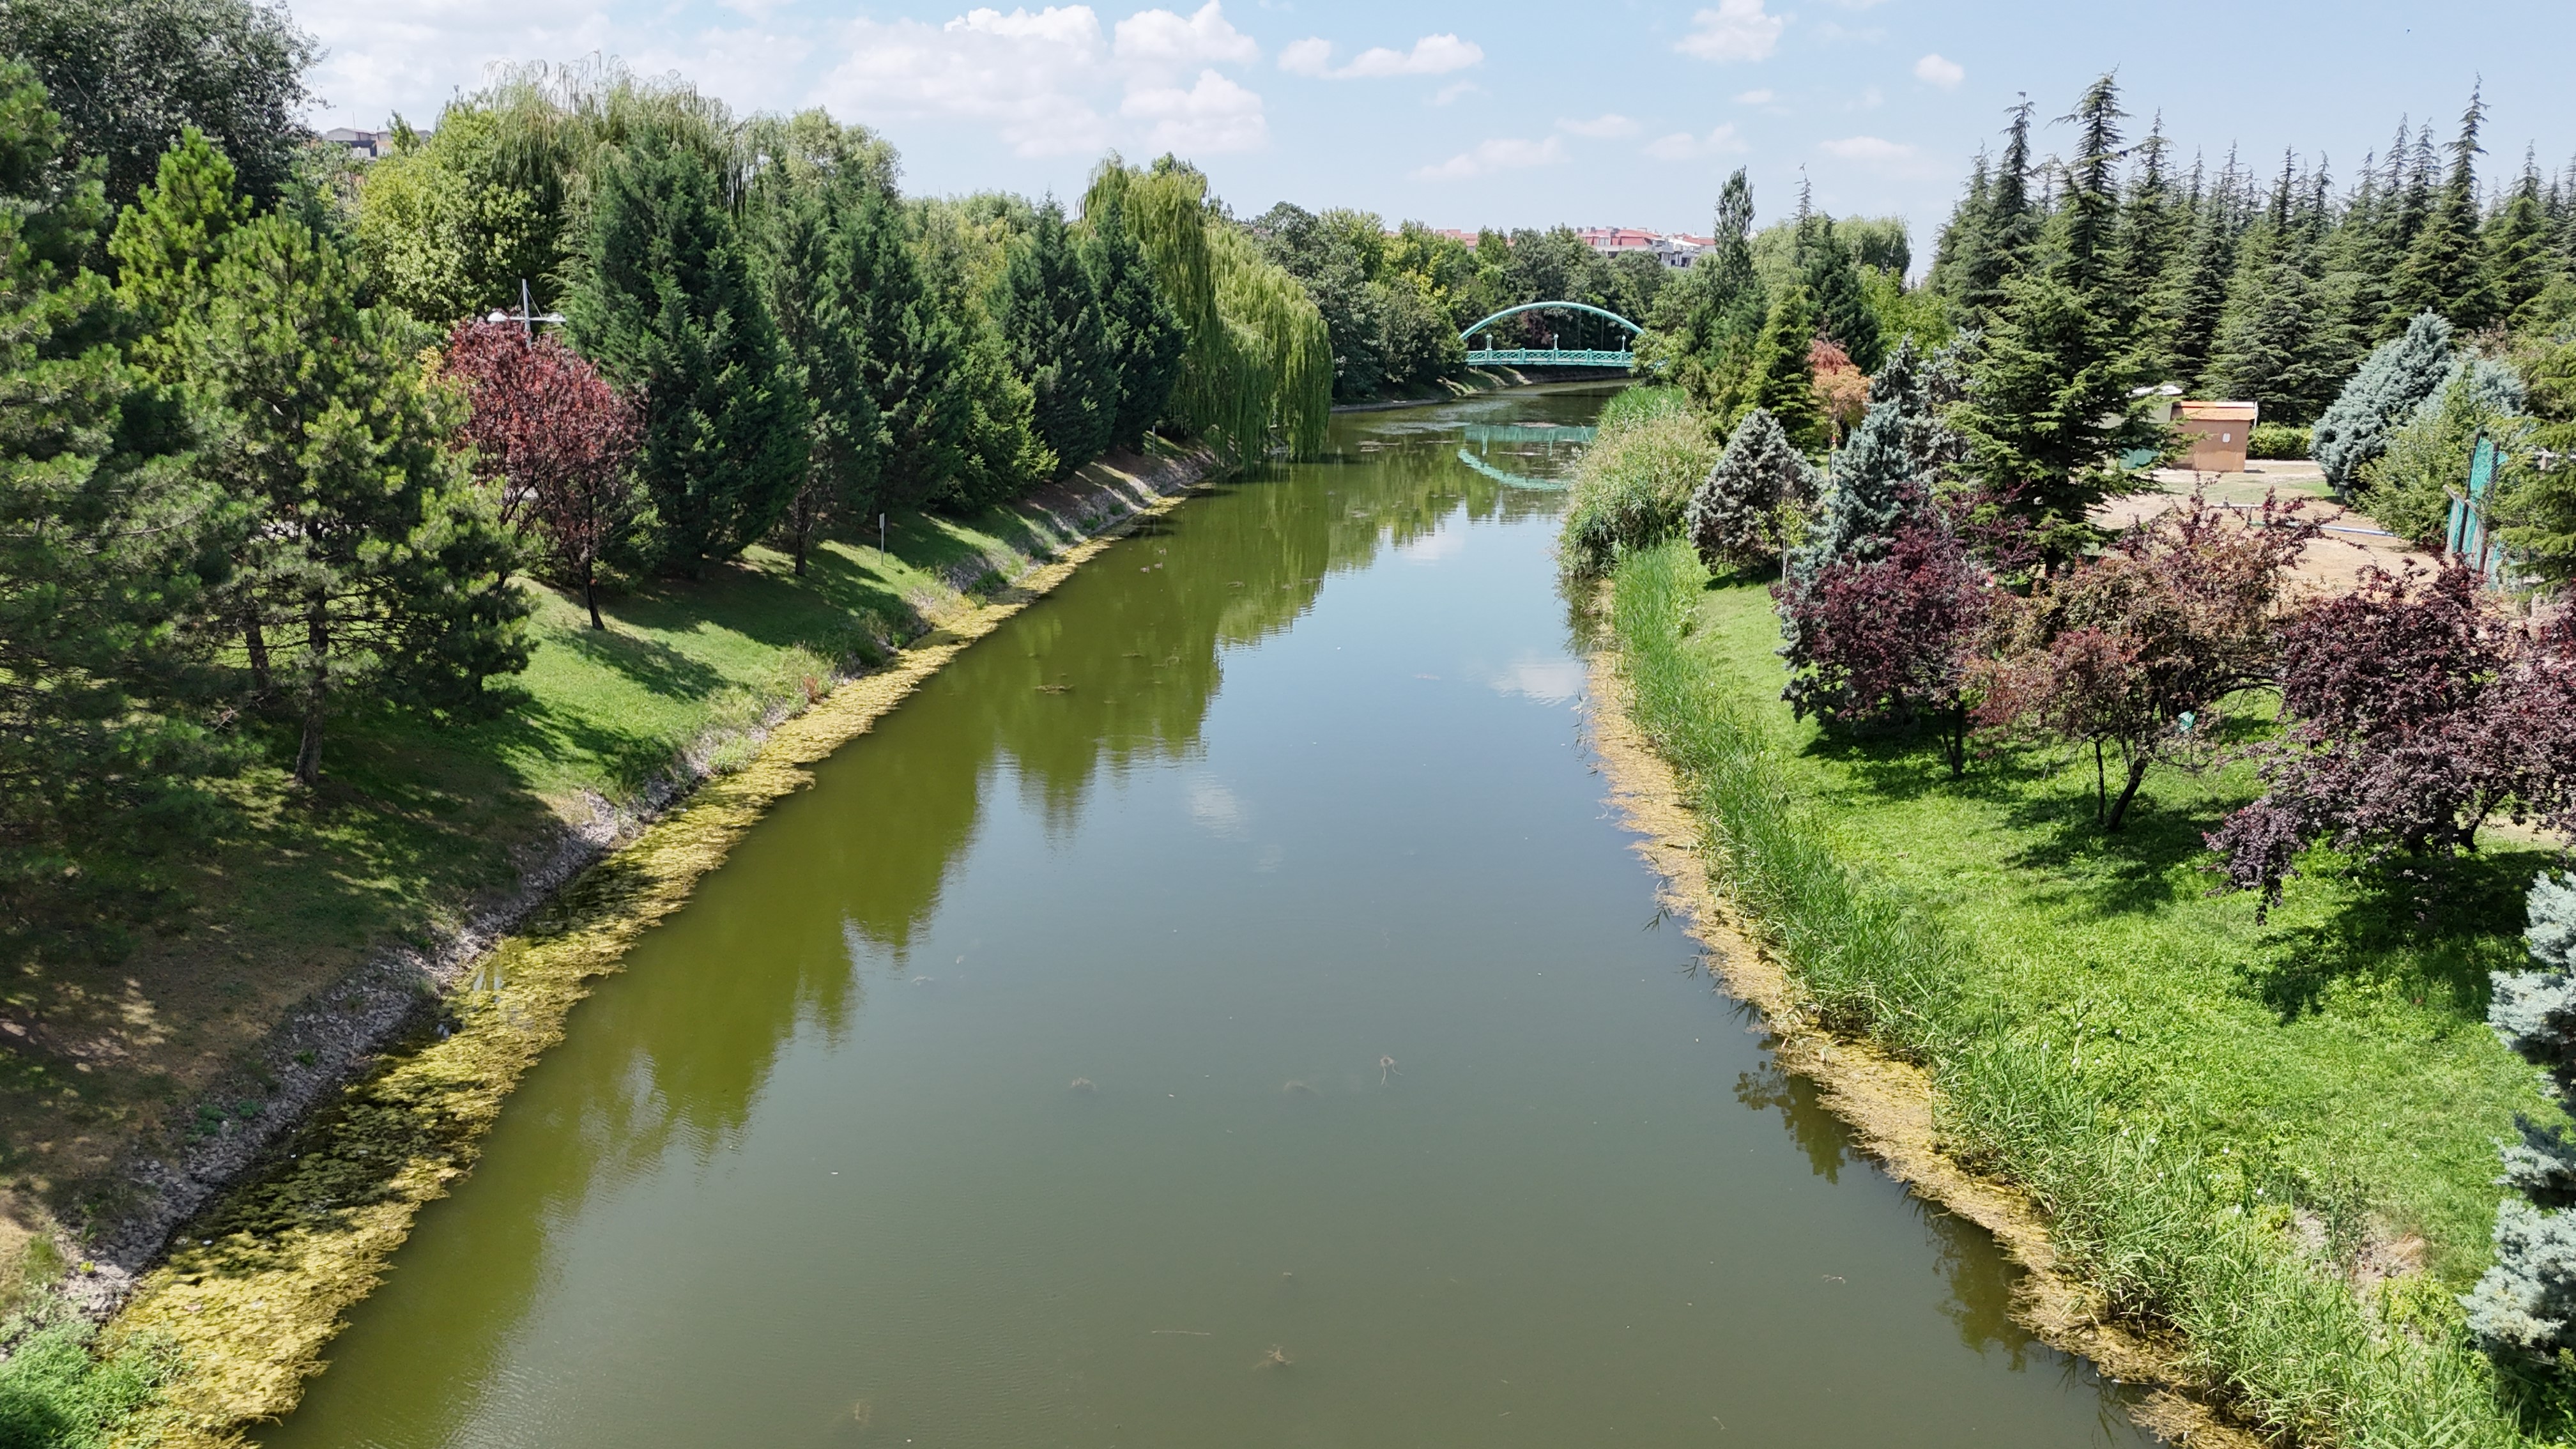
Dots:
pixel 1218 1010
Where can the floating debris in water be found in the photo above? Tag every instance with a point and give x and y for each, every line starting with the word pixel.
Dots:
pixel 1298 1089
pixel 1386 1069
pixel 1276 1358
pixel 1080 1084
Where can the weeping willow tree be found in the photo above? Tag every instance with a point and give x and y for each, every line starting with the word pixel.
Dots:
pixel 1258 371
pixel 453 221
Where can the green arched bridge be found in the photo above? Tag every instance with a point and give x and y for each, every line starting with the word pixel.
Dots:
pixel 1547 356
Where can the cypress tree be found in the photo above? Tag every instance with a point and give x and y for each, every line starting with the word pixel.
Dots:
pixel 2152 224
pixel 825 351
pixel 1000 453
pixel 1050 314
pixel 1958 237
pixel 663 301
pixel 910 358
pixel 1779 380
pixel 1141 334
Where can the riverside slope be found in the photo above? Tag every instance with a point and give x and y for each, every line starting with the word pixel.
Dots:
pixel 255 1288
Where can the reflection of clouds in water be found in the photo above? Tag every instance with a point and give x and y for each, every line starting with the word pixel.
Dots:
pixel 1215 808
pixel 1448 541
pixel 1271 855
pixel 1547 680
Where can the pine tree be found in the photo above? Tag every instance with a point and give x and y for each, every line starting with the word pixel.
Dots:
pixel 1958 239
pixel 663 300
pixel 1832 281
pixel 2441 272
pixel 825 350
pixel 2399 375
pixel 2525 1305
pixel 2198 304
pixel 108 548
pixel 2517 260
pixel 2153 230
pixel 1778 378
pixel 1923 390
pixel 1704 325
pixel 1999 243
pixel 1871 484
pixel 2054 403
pixel 1050 314
pixel 1141 333
pixel 370 544
pixel 2280 346
pixel 1735 518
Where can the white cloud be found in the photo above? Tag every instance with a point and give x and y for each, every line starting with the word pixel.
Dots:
pixel 1683 146
pixel 1214 115
pixel 1934 70
pixel 1894 158
pixel 1431 55
pixel 1756 98
pixel 378 59
pixel 1608 127
pixel 1311 56
pixel 1453 91
pixel 1735 30
pixel 1045 80
pixel 1160 38
pixel 1501 154
pixel 1027 73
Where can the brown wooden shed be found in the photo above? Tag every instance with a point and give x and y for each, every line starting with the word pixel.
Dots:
pixel 2217 433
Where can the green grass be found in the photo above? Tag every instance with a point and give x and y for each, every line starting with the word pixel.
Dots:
pixel 2217 1114
pixel 56 1393
pixel 419 821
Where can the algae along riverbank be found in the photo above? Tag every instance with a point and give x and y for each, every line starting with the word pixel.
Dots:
pixel 1218 1007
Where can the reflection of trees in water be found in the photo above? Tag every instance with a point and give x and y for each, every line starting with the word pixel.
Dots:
pixel 1978 1277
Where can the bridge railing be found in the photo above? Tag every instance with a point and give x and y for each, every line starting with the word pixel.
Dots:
pixel 1548 357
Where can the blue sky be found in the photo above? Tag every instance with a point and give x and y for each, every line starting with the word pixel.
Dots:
pixel 1629 112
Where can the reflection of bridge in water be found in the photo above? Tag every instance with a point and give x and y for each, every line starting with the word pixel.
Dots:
pixel 1547 356
pixel 1482 436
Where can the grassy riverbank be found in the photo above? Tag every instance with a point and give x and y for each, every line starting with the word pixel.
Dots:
pixel 165 1042
pixel 2275 1140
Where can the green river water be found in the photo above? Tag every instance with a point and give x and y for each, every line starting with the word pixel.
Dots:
pixel 1025 1083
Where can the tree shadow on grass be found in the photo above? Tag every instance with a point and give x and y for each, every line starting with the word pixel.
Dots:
pixel 838 608
pixel 2429 930
pixel 648 662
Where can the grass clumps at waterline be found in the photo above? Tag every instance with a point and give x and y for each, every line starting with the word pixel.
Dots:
pixel 2273 1141
pixel 1649 451
pixel 245 1303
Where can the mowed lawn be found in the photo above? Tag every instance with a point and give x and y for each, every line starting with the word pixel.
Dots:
pixel 2336 1055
